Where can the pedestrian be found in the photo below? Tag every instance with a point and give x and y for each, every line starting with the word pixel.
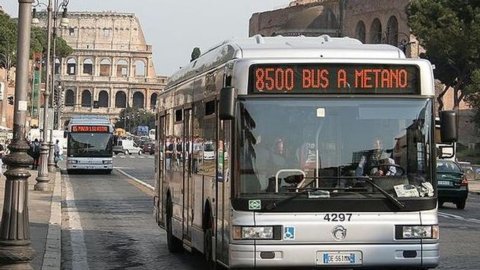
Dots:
pixel 57 152
pixel 35 149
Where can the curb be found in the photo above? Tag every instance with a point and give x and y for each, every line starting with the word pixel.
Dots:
pixel 53 250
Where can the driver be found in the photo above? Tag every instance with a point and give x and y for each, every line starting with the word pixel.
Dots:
pixel 377 161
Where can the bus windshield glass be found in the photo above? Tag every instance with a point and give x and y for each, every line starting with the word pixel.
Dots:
pixel 89 144
pixel 334 147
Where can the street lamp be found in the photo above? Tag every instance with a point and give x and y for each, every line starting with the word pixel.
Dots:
pixel 47 162
pixel 15 245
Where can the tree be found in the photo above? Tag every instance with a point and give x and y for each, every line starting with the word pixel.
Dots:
pixel 8 41
pixel 130 118
pixel 449 30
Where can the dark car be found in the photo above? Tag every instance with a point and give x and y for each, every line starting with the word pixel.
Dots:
pixel 149 148
pixel 452 183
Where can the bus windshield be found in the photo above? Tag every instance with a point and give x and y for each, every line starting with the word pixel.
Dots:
pixel 89 145
pixel 335 147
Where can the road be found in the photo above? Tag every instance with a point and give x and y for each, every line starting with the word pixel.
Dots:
pixel 108 224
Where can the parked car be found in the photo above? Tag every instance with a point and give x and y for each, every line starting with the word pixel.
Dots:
pixel 127 147
pixel 452 183
pixel 467 169
pixel 149 148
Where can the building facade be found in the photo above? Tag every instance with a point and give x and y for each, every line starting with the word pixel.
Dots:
pixel 110 69
pixel 370 21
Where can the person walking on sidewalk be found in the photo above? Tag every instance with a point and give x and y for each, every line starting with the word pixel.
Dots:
pixel 57 152
pixel 35 148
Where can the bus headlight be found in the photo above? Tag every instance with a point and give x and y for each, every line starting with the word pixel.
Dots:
pixel 253 233
pixel 71 161
pixel 417 232
pixel 106 161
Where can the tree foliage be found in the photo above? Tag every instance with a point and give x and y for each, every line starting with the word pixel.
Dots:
pixel 8 40
pixel 38 43
pixel 130 118
pixel 449 30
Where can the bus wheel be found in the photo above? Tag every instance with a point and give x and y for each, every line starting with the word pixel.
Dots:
pixel 108 171
pixel 207 248
pixel 174 245
pixel 127 152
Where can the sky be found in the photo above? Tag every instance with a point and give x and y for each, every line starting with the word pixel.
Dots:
pixel 175 27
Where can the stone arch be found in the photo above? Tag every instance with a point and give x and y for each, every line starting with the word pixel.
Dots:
pixel 88 66
pixel 153 101
pixel 71 66
pixel 392 31
pixel 105 67
pixel 138 100
pixel 120 100
pixel 69 98
pixel 360 32
pixel 103 99
pixel 86 98
pixel 140 68
pixel 122 68
pixel 376 32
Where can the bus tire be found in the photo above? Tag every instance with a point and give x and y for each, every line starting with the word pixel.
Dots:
pixel 127 152
pixel 207 248
pixel 174 245
pixel 109 171
pixel 461 204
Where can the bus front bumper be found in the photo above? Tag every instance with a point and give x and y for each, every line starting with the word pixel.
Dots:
pixel 261 256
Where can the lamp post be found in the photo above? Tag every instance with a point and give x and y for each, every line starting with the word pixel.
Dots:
pixel 15 245
pixel 43 178
pixel 47 162
pixel 63 22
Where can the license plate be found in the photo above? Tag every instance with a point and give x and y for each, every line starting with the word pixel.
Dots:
pixel 339 258
pixel 444 183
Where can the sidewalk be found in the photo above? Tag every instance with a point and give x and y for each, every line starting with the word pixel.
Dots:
pixel 474 186
pixel 45 221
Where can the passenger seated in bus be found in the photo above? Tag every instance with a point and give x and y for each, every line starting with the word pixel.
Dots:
pixel 277 161
pixel 376 161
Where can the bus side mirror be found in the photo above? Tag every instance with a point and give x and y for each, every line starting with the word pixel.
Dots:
pixel 227 103
pixel 448 126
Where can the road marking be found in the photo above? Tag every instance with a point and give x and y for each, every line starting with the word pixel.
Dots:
pixel 135 179
pixel 452 216
pixel 79 250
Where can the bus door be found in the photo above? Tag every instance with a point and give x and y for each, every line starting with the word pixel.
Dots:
pixel 187 174
pixel 223 190
pixel 160 167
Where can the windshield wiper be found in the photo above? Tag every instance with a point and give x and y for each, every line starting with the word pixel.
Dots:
pixel 274 204
pixel 388 196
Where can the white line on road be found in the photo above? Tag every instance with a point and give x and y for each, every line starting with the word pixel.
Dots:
pixel 79 250
pixel 135 179
pixel 452 216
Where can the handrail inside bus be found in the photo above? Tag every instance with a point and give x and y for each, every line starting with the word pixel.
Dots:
pixel 289 170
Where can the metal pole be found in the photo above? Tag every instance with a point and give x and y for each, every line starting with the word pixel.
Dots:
pixel 51 155
pixel 15 245
pixel 43 177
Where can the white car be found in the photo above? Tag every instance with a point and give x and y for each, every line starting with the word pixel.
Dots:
pixel 127 147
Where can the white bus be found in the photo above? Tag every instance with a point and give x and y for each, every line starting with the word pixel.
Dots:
pixel 296 116
pixel 89 144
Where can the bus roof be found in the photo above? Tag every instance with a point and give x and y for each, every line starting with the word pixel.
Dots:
pixel 89 120
pixel 301 47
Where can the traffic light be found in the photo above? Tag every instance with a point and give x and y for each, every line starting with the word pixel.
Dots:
pixel 10 100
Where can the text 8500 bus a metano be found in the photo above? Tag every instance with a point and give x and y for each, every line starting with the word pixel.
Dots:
pixel 323 155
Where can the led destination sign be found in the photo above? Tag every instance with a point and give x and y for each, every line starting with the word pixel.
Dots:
pixel 334 79
pixel 86 128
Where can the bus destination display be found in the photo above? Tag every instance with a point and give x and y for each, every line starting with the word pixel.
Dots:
pixel 334 79
pixel 86 128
